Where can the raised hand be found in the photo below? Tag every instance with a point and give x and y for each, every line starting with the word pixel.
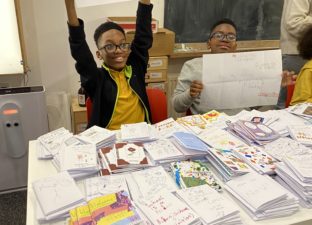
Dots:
pixel 71 13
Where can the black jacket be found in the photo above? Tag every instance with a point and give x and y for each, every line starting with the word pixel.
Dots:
pixel 98 83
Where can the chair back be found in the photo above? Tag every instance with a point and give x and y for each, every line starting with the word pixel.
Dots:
pixel 290 91
pixel 158 104
pixel 157 100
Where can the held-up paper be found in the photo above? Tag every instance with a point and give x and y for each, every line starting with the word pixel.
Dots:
pixel 86 3
pixel 243 79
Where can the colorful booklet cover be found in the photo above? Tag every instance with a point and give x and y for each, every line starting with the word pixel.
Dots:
pixel 193 173
pixel 257 159
pixel 229 161
pixel 130 154
pixel 116 208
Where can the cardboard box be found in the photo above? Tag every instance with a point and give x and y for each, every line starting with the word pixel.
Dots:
pixel 158 63
pixel 128 23
pixel 155 76
pixel 163 43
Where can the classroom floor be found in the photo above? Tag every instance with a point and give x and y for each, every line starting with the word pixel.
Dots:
pixel 13 208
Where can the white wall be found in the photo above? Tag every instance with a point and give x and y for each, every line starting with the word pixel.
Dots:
pixel 46 39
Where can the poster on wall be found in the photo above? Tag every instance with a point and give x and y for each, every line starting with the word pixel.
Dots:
pixel 10 48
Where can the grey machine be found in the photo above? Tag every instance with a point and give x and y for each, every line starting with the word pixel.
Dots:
pixel 23 117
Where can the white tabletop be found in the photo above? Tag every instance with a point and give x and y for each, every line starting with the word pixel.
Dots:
pixel 42 168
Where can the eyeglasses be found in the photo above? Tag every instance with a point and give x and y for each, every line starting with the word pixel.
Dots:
pixel 220 36
pixel 112 48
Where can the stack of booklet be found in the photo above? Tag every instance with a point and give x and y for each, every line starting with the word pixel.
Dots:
pixel 78 160
pixel 98 136
pixel 211 206
pixel 261 197
pixel 99 186
pixel 163 151
pixel 227 163
pixel 138 132
pixel 165 208
pixel 291 181
pixel 145 183
pixel 301 133
pixel 189 144
pixel 257 159
pixel 303 110
pixel 115 208
pixel 49 144
pixel 167 127
pixel 194 123
pixel 193 173
pixel 220 139
pixel 253 132
pixel 122 157
pixel 285 146
pixel 56 195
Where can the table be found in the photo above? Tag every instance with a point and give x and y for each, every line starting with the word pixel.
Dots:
pixel 42 168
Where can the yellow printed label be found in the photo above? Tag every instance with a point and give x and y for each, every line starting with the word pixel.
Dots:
pixel 115 217
pixel 101 202
pixel 83 211
pixel 73 215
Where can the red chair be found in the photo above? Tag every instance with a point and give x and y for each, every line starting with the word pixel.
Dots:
pixel 290 91
pixel 89 108
pixel 158 104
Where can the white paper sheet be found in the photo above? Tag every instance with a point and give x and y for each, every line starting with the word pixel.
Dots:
pixel 244 79
pixel 86 3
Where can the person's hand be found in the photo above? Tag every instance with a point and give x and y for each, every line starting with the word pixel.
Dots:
pixel 196 88
pixel 288 78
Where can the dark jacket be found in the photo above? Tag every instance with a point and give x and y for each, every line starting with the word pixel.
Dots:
pixel 98 83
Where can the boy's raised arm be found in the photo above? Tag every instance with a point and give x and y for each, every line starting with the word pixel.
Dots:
pixel 146 2
pixel 72 14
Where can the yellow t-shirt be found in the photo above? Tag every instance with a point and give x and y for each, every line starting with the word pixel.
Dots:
pixel 128 108
pixel 303 87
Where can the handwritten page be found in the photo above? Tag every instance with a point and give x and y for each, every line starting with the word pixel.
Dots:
pixel 203 199
pixel 86 3
pixel 244 79
pixel 165 209
pixel 151 181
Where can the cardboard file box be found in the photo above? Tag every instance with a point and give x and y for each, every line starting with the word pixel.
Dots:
pixel 158 63
pixel 128 23
pixel 163 42
pixel 155 76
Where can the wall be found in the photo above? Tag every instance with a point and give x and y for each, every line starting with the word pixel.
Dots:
pixel 46 40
